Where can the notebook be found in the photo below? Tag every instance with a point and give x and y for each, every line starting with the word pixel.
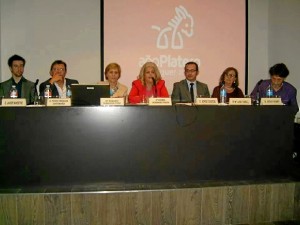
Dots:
pixel 89 94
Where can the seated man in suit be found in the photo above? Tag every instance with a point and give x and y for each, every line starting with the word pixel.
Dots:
pixel 58 83
pixel 187 90
pixel 26 89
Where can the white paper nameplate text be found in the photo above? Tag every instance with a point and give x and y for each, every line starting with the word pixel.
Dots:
pixel 13 102
pixel 58 102
pixel 206 101
pixel 271 101
pixel 240 101
pixel 160 102
pixel 112 101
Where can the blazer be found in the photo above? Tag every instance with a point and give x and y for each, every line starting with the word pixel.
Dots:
pixel 121 92
pixel 28 89
pixel 181 92
pixel 53 87
pixel 138 90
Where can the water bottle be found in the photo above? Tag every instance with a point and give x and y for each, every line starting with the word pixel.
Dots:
pixel 223 95
pixel 269 92
pixel 47 92
pixel 13 92
pixel 69 92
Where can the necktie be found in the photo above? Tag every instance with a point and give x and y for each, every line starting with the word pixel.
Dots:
pixel 192 92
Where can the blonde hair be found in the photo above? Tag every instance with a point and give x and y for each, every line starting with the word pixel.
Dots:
pixel 112 66
pixel 143 70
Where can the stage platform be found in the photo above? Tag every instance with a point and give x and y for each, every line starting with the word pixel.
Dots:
pixel 134 204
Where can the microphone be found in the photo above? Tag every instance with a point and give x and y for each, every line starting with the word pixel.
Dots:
pixel 257 97
pixel 35 84
pixel 154 84
pixel 154 81
pixel 259 82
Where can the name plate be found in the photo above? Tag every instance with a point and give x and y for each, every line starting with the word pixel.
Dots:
pixel 160 102
pixel 270 101
pixel 13 102
pixel 240 101
pixel 112 101
pixel 58 102
pixel 206 101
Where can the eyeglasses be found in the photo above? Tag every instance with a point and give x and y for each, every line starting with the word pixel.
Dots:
pixel 230 75
pixel 190 71
pixel 58 69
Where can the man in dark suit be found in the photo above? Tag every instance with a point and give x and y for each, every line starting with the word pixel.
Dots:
pixel 187 90
pixel 26 88
pixel 58 83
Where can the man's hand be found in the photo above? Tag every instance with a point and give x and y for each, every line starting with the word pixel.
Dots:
pixel 56 77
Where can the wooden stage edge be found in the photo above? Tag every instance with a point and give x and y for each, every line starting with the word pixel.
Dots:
pixel 173 203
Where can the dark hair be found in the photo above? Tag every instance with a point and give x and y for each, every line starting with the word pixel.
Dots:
pixel 192 63
pixel 279 69
pixel 58 62
pixel 15 58
pixel 226 71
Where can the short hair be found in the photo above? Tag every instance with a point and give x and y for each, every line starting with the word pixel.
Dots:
pixel 15 58
pixel 143 69
pixel 226 71
pixel 112 66
pixel 279 69
pixel 192 63
pixel 56 62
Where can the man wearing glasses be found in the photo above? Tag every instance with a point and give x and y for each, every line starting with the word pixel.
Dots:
pixel 187 90
pixel 58 81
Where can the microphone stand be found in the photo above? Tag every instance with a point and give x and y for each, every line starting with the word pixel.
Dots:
pixel 257 97
pixel 155 89
pixel 35 90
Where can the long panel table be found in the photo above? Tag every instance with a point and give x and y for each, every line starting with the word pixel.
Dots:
pixel 142 144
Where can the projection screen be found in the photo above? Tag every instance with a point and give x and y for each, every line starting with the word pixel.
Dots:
pixel 173 32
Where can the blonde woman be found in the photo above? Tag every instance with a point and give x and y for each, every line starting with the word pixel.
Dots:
pixel 112 75
pixel 148 84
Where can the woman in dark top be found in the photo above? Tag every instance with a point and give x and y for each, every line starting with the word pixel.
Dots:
pixel 230 79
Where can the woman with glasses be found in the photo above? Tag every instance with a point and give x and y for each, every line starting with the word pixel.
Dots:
pixel 230 80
